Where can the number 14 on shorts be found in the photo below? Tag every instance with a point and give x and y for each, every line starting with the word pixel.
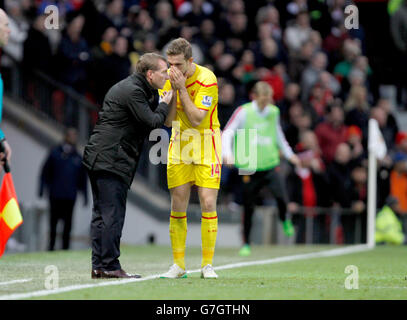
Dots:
pixel 215 169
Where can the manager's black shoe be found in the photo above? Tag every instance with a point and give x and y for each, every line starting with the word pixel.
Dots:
pixel 96 274
pixel 118 274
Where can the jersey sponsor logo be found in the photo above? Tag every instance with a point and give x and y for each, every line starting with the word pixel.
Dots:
pixel 207 101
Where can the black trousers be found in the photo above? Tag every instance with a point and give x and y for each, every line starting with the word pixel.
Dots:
pixel 61 209
pixel 252 185
pixel 109 207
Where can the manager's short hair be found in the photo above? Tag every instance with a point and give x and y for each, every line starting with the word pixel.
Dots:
pixel 179 46
pixel 148 61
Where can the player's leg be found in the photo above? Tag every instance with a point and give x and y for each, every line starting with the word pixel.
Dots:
pixel 178 222
pixel 178 229
pixel 209 229
pixel 68 213
pixel 278 188
pixel 54 217
pixel 251 185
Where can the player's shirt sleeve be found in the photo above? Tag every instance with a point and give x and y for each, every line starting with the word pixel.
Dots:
pixel 207 95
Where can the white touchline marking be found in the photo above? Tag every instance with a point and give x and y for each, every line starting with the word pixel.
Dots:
pixel 319 254
pixel 14 281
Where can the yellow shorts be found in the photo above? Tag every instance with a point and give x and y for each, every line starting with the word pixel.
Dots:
pixel 194 159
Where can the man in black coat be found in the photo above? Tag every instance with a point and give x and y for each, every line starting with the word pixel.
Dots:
pixel 63 175
pixel 128 115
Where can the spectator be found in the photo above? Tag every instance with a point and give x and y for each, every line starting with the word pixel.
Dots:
pixel 351 50
pixel 357 109
pixel 320 98
pixel 398 181
pixel 116 67
pixel 269 18
pixel 386 105
pixel 333 43
pixel 105 47
pixel 299 62
pixel 142 26
pixel 361 65
pixel 331 132
pixel 307 188
pixel 398 28
pixel 18 33
pixel 63 175
pixel 388 131
pixel 358 206
pixel 206 37
pixel 268 54
pixel 340 186
pixel 354 138
pixel 226 104
pixel 237 37
pixel 299 33
pixel 388 227
pixel 113 15
pixel 194 12
pixel 37 49
pixel 300 121
pixel 401 142
pixel 73 55
pixel 165 25
pixel 291 95
pixel 312 74
pixel 296 7
pixel 245 70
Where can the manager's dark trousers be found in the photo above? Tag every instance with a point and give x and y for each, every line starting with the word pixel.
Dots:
pixel 109 207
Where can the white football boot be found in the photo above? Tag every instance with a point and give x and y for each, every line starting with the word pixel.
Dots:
pixel 174 272
pixel 208 272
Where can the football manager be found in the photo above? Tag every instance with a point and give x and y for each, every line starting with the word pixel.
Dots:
pixel 131 109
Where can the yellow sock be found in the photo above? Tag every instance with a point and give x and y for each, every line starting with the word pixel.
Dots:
pixel 178 236
pixel 209 230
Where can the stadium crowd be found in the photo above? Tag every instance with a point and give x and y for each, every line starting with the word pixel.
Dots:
pixel 321 78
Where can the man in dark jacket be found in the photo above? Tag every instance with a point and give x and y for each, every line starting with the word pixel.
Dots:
pixel 63 175
pixel 128 115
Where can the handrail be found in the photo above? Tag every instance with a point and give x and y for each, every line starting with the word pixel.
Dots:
pixel 53 82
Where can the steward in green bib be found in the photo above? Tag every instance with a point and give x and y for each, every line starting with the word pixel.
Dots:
pixel 252 140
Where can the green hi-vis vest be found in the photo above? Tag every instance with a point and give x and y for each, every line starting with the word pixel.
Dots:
pixel 256 146
pixel 388 227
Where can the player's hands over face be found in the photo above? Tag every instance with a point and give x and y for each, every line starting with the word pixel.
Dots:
pixel 177 79
pixel 167 96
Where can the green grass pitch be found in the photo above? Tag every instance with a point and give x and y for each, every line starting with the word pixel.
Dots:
pixel 382 275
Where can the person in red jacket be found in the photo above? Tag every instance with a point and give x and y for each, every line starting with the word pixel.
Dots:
pixel 331 132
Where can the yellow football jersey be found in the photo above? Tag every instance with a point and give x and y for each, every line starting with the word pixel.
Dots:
pixel 202 88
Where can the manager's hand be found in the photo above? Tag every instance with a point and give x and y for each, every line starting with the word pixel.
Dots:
pixel 167 96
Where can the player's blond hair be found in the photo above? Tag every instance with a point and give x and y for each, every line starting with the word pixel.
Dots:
pixel 179 46
pixel 148 61
pixel 262 87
